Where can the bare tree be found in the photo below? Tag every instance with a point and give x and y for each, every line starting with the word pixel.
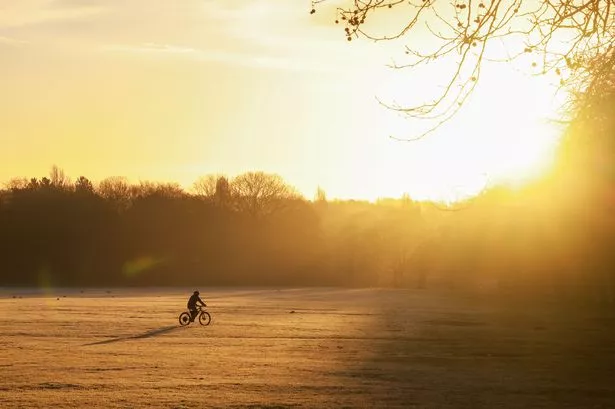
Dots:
pixel 205 186
pixel 564 37
pixel 116 189
pixel 147 188
pixel 84 185
pixel 592 104
pixel 58 178
pixel 321 196
pixel 16 184
pixel 261 194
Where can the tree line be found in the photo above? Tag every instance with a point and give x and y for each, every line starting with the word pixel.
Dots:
pixel 255 229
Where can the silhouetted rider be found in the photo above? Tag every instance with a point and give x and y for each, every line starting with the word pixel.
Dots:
pixel 192 303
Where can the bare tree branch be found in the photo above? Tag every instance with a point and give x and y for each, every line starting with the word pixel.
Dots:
pixel 565 36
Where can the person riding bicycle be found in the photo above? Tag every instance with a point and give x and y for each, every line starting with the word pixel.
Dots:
pixel 192 305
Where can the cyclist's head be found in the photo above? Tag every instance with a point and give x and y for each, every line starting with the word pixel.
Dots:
pixel 196 292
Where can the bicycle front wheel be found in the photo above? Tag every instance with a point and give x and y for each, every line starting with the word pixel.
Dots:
pixel 204 318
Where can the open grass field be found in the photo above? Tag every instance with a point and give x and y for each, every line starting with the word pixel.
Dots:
pixel 304 348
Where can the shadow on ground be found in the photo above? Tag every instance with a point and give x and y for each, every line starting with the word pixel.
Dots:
pixel 148 334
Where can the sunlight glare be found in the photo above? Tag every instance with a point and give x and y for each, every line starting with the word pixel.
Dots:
pixel 502 135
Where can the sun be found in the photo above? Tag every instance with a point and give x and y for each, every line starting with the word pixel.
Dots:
pixel 503 135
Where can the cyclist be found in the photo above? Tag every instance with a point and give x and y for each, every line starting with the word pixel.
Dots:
pixel 192 305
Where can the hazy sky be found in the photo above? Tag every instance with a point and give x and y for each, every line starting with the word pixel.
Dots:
pixel 172 90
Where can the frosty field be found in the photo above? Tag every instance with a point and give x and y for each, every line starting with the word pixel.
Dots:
pixel 306 348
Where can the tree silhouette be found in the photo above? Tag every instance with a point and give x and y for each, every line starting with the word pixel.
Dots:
pixel 205 186
pixel 116 190
pixel 321 196
pixel 84 186
pixel 260 194
pixel 58 178
pixel 587 165
pixel 223 194
pixel 259 231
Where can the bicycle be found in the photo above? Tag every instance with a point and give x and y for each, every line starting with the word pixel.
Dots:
pixel 203 316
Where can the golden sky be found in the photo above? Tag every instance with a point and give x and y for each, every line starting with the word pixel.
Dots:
pixel 172 90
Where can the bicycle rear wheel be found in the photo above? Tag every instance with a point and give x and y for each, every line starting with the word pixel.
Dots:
pixel 184 318
pixel 204 318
